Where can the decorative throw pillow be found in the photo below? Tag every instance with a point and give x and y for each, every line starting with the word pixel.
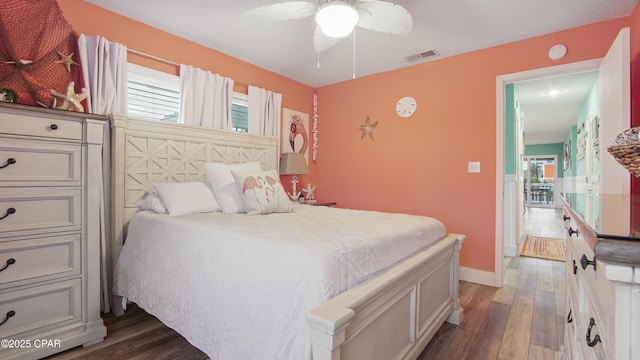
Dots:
pixel 224 185
pixel 187 198
pixel 261 192
pixel 153 202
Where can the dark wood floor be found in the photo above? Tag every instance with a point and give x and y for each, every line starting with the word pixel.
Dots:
pixel 522 320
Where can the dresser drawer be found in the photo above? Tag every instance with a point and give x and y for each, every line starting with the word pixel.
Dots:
pixel 40 126
pixel 39 163
pixel 39 307
pixel 39 259
pixel 39 210
pixel 590 328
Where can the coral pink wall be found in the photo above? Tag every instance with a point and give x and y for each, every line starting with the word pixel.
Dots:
pixel 419 165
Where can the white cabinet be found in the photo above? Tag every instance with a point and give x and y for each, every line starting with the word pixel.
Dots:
pixel 602 293
pixel 50 190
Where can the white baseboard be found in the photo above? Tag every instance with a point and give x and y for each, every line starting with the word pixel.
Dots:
pixel 509 251
pixel 477 276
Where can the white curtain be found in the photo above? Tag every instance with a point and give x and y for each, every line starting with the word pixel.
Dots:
pixel 264 111
pixel 104 68
pixel 206 98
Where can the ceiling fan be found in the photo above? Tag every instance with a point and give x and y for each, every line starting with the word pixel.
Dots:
pixel 336 19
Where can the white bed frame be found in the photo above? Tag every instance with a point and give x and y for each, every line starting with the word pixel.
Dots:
pixel 391 316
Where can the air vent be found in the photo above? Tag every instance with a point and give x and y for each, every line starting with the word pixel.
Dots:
pixel 421 56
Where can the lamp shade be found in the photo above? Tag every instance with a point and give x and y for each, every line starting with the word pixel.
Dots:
pixel 293 164
pixel 337 19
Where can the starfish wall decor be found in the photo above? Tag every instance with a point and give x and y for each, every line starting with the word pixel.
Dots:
pixel 70 100
pixel 66 60
pixel 367 128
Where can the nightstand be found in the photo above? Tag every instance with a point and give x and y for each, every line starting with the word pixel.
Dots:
pixel 328 204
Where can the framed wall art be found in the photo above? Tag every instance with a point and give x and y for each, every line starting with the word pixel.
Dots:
pixel 295 132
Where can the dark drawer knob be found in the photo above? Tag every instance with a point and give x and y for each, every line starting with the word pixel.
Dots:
pixel 9 262
pixel 10 161
pixel 53 127
pixel 570 317
pixel 565 217
pixel 10 314
pixel 575 267
pixel 9 212
pixel 571 231
pixel 586 262
pixel 596 339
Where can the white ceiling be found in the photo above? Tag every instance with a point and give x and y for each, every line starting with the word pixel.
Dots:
pixel 449 27
pixel 548 118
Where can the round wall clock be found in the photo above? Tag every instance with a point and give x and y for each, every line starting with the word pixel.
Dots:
pixel 406 106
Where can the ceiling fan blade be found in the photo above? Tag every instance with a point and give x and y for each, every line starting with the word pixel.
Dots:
pixel 384 17
pixel 322 42
pixel 284 11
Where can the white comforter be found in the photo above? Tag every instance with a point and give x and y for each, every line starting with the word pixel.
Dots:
pixel 238 287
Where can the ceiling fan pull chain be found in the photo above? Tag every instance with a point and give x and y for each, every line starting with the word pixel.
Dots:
pixel 354 53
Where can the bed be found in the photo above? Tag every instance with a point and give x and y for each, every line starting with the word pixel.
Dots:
pixel 314 283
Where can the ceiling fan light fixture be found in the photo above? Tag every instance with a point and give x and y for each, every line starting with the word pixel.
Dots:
pixel 337 19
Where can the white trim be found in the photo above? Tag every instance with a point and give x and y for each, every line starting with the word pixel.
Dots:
pixel 152 76
pixel 478 276
pixel 511 208
pixel 240 98
pixel 501 81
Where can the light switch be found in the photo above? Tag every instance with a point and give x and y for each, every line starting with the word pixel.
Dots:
pixel 473 167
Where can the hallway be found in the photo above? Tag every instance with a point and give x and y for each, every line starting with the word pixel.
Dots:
pixel 546 222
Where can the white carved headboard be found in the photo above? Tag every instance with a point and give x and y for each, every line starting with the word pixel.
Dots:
pixel 148 152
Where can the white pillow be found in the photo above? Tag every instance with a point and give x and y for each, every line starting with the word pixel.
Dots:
pixel 261 192
pixel 224 185
pixel 153 202
pixel 187 198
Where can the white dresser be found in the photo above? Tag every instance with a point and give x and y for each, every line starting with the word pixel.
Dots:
pixel 50 190
pixel 603 279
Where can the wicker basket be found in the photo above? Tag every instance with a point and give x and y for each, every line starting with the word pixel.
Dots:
pixel 628 156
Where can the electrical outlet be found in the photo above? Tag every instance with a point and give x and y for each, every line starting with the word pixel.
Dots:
pixel 473 167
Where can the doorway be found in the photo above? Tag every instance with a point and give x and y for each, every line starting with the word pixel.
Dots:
pixel 539 174
pixel 614 105
pixel 509 220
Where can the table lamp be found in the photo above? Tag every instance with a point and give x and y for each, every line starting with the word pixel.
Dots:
pixel 293 164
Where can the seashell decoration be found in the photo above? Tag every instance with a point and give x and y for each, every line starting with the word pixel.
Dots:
pixel 626 151
pixel 629 137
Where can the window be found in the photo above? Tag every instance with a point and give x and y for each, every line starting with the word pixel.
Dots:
pixel 153 94
pixel 240 112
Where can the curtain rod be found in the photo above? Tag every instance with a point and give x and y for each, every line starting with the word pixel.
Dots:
pixel 153 57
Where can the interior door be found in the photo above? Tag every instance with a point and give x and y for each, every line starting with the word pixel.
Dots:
pixel 615 111
pixel 615 115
